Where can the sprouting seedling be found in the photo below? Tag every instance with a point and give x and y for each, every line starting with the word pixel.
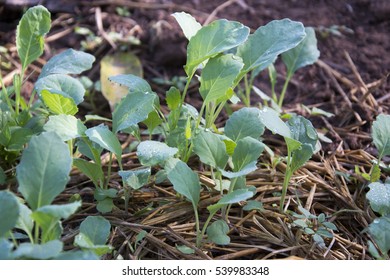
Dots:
pixel 301 139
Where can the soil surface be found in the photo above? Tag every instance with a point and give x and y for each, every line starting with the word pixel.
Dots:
pixel 350 81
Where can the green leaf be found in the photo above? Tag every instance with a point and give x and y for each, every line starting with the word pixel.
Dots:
pixel 136 178
pixel 330 225
pixel 19 137
pixel 244 122
pixel 185 249
pixel 230 145
pixel 380 231
pixel 85 243
pixel 375 173
pixel 244 171
pixel 152 153
pixel 45 251
pixel 270 118
pixel 61 84
pixel 263 46
pixel 59 104
pixel 133 82
pixel 381 135
pixel 187 23
pixel 6 249
pixel 217 232
pixel 306 53
pixel 184 180
pixel 218 76
pixel 63 211
pixel 44 169
pixel 300 223
pixel 379 197
pixel 210 149
pixel 101 194
pixel 105 205
pixel 48 219
pixel 152 121
pixel 25 222
pixel 68 62
pixel 236 196
pixel 217 37
pixel 173 98
pixel 96 228
pixel 102 136
pixel 9 212
pixel 303 131
pixel 90 169
pixel 67 127
pixel 253 205
pixel 247 151
pixel 30 33
pixel 131 110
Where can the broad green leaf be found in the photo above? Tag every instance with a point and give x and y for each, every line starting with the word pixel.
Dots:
pixel 89 149
pixel 306 53
pixel 59 104
pixel 9 212
pixel 96 228
pixel 131 110
pixel 102 136
pixel 173 98
pixel 90 169
pixel 84 242
pixel 19 137
pixel 185 249
pixel 218 76
pixel 68 62
pixel 244 171
pixel 133 82
pixel 62 84
pixel 184 180
pixel 253 205
pixel 44 169
pixel 380 231
pixel 230 145
pixel 63 211
pixel 118 63
pixel 152 153
pixel 270 118
pixel 25 222
pixel 48 219
pixel 30 33
pixel 66 126
pixel 302 131
pixel 381 135
pixel 301 156
pixel 105 206
pixel 152 121
pixel 136 178
pixel 247 151
pixel 217 233
pixel 210 149
pixel 45 251
pixel 6 249
pixel 263 47
pixel 244 122
pixel 379 197
pixel 236 196
pixel 187 23
pixel 217 37
pixel 101 194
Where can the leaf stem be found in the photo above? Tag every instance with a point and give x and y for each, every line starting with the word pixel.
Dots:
pixel 286 182
pixel 284 89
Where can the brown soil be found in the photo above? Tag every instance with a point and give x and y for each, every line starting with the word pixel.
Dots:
pixel 349 81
